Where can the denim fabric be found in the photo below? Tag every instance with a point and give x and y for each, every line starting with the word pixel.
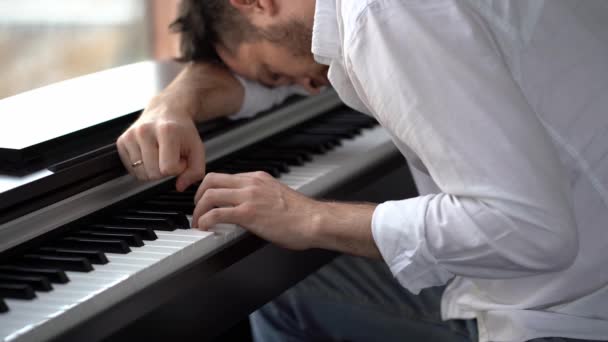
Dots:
pixel 357 299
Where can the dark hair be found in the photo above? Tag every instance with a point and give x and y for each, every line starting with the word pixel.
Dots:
pixel 205 23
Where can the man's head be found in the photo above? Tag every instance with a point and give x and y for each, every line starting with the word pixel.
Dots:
pixel 264 40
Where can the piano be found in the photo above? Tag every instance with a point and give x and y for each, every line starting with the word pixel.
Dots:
pixel 89 253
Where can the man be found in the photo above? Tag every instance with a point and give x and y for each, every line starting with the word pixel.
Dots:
pixel 502 103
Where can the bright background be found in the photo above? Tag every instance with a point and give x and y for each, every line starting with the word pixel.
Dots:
pixel 43 42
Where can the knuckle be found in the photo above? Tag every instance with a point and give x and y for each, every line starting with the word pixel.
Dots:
pixel 256 181
pixel 246 211
pixel 201 222
pixel 125 137
pixel 261 175
pixel 121 139
pixel 209 195
pixel 154 175
pixel 167 127
pixel 142 130
pixel 249 193
pixel 168 169
pixel 214 216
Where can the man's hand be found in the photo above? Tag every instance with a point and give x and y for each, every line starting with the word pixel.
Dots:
pixel 167 143
pixel 261 204
pixel 164 140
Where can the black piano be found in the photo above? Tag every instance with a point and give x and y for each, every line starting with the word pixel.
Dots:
pixel 87 253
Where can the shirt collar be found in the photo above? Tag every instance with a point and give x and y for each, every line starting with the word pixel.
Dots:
pixel 325 33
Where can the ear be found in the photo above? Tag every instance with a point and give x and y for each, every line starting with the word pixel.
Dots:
pixel 266 8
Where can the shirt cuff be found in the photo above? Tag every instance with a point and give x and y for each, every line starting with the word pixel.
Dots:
pixel 259 98
pixel 398 228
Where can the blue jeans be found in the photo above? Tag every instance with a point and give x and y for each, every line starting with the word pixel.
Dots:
pixel 357 299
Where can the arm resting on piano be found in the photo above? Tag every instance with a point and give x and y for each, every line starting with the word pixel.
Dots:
pixel 164 141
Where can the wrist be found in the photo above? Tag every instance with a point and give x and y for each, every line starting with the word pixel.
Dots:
pixel 344 227
pixel 171 106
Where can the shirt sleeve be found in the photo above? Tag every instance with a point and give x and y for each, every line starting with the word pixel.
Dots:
pixel 259 98
pixel 432 74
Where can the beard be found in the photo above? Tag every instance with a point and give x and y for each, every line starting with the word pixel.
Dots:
pixel 295 36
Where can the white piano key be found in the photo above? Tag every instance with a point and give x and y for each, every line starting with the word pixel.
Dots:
pixel 120 267
pixel 139 262
pixel 139 253
pixel 10 325
pixel 145 253
pixel 28 315
pixel 167 243
pixel 26 306
pixel 167 250
pixel 176 237
pixel 194 233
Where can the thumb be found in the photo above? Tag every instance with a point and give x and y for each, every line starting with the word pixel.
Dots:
pixel 195 170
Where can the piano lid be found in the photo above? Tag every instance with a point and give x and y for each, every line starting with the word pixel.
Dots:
pixel 40 116
pixel 62 136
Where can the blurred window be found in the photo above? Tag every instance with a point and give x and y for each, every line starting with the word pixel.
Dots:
pixel 43 42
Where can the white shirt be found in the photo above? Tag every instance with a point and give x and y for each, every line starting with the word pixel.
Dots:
pixel 505 105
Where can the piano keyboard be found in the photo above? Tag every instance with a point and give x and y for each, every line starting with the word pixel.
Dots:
pixel 106 258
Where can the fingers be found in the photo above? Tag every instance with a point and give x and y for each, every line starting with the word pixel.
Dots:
pixel 124 156
pixel 219 215
pixel 226 191
pixel 149 155
pixel 218 180
pixel 132 154
pixel 166 147
pixel 216 198
pixel 170 161
pixel 195 170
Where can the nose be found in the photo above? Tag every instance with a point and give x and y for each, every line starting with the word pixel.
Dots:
pixel 310 85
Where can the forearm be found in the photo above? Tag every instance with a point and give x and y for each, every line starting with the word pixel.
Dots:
pixel 202 92
pixel 345 227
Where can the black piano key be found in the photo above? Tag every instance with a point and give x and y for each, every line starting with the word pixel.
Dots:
pixel 77 264
pixel 291 159
pixel 144 233
pixel 105 245
pixel 297 141
pixel 336 132
pixel 131 239
pixel 54 275
pixel 3 306
pixel 178 219
pixel 156 223
pixel 360 122
pixel 36 282
pixel 95 257
pixel 17 291
pixel 227 170
pixel 174 197
pixel 309 148
pixel 182 206
pixel 280 166
pixel 191 190
pixel 234 169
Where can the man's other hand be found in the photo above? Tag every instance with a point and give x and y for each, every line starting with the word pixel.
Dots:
pixel 259 203
pixel 164 141
pixel 167 143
